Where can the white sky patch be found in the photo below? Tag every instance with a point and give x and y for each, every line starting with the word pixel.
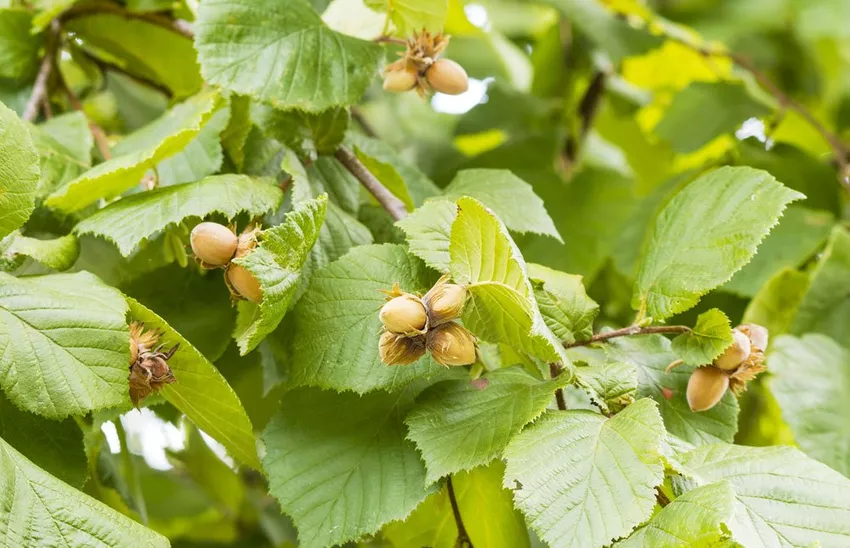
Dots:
pixel 752 128
pixel 217 448
pixel 108 429
pixel 477 15
pixel 149 436
pixel 463 103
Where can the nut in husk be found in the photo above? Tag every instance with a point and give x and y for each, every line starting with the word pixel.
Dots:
pixel 149 370
pixel 243 284
pixel 706 387
pixel 451 344
pixel 756 333
pixel 397 349
pixel 400 80
pixel 444 302
pixel 213 244
pixel 404 315
pixel 754 364
pixel 446 76
pixel 141 340
pixel 420 68
pixel 735 354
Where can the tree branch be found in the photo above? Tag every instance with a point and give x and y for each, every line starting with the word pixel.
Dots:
pixel 387 199
pixel 39 89
pixel 554 371
pixel 177 26
pixel 462 536
pixel 631 330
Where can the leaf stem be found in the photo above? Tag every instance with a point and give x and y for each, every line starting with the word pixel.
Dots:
pixel 554 371
pixel 462 536
pixel 387 199
pixel 631 330
pixel 178 26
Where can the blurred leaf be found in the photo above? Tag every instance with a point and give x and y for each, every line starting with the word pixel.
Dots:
pixel 19 172
pixel 18 46
pixel 711 335
pixel 64 147
pixel 778 300
pixel 203 155
pixel 411 16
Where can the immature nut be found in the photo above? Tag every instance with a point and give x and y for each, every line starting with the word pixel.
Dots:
pixel 404 315
pixel 397 349
pixel 399 81
pixel 451 344
pixel 214 244
pixel 735 354
pixel 757 334
pixel 244 283
pixel 706 387
pixel 447 77
pixel 444 303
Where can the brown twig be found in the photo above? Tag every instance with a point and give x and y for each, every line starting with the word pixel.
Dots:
pixel 383 39
pixel 363 122
pixel 387 199
pixel 462 536
pixel 631 330
pixel 177 26
pixel 555 370
pixel 590 101
pixel 661 498
pixel 39 89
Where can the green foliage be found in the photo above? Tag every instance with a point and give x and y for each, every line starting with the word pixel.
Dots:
pixel 711 335
pixel 563 302
pixel 19 172
pixel 18 46
pixel 133 219
pixel 569 470
pixel 58 254
pixel 704 235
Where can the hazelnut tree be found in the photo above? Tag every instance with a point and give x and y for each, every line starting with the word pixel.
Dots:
pixel 425 273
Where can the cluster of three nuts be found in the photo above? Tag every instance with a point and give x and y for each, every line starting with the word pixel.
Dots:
pixel 413 325
pixel 215 246
pixel 738 364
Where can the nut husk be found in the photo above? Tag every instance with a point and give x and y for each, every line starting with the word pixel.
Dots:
pixel 240 280
pixel 404 315
pixel 446 76
pixel 706 387
pixel 213 244
pixel 397 349
pixel 399 81
pixel 735 354
pixel 444 302
pixel 451 344
pixel 149 369
pixel 141 340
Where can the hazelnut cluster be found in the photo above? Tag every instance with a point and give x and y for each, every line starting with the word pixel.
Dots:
pixel 421 69
pixel 733 369
pixel 149 369
pixel 215 246
pixel 414 325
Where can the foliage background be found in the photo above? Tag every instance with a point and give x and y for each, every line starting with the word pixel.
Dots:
pixel 596 114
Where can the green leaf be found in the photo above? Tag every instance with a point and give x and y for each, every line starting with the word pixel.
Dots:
pixel 797 237
pixel 201 393
pixel 281 54
pixel 458 425
pixel 142 49
pixel 704 110
pixel 811 381
pixel 136 154
pixel 38 506
pixel 501 308
pixel 704 235
pixel 58 253
pixel 711 335
pixel 783 498
pixel 19 172
pixel 701 517
pixel 776 303
pixel 136 218
pixel 337 326
pixel 650 355
pixel 18 46
pixel 320 132
pixel 276 264
pixel 64 148
pixel 339 464
pixel 612 385
pixel 411 16
pixel 487 508
pixel 511 199
pixel 65 344
pixel 826 306
pixel 55 446
pixel 202 157
pixel 428 231
pixel 563 302
pixel 388 176
pixel 572 470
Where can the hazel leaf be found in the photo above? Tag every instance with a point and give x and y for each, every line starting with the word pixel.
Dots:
pixel 564 303
pixel 19 172
pixel 56 253
pixel 711 335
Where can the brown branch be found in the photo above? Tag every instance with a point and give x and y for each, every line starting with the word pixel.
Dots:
pixel 462 536
pixel 661 498
pixel 590 101
pixel 555 370
pixel 631 330
pixel 39 89
pixel 363 122
pixel 177 26
pixel 387 199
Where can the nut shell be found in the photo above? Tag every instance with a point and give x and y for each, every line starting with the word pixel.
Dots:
pixel 706 387
pixel 400 350
pixel 448 77
pixel 244 283
pixel 404 315
pixel 451 344
pixel 444 303
pixel 399 81
pixel 757 334
pixel 736 353
pixel 214 244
